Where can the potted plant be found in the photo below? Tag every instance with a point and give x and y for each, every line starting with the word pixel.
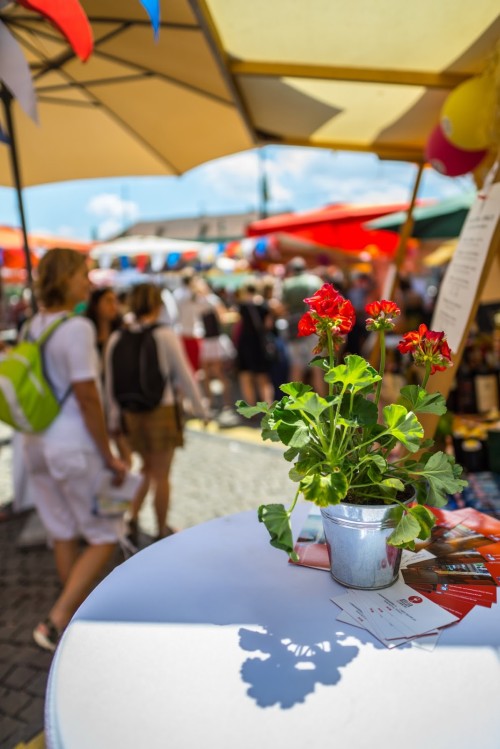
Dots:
pixel 353 458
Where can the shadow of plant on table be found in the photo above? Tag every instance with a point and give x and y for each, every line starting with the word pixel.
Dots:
pixel 286 668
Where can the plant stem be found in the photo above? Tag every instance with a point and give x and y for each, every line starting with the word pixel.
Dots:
pixel 292 506
pixel 381 365
pixel 427 374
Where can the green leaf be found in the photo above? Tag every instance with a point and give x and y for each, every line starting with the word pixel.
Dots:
pixel 302 467
pixel 404 426
pixel 277 521
pixel 379 461
pixel 324 490
pixel 248 411
pixel 425 518
pixel 416 398
pixel 405 532
pixel 356 374
pixel 295 389
pixel 269 428
pixel 320 361
pixel 310 403
pixel 293 430
pixel 376 466
pixel 364 412
pixel 393 483
pixel 442 474
pixel 291 453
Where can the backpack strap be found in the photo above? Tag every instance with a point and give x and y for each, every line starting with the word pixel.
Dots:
pixel 44 337
pixel 42 340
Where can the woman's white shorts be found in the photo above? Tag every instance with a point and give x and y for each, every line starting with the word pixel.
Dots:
pixel 64 481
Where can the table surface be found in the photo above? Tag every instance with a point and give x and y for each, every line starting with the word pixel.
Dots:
pixel 210 638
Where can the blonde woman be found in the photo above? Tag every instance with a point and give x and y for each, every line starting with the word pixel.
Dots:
pixel 65 460
pixel 154 431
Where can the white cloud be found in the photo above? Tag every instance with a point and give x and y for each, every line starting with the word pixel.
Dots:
pixel 65 230
pixel 113 213
pixel 109 228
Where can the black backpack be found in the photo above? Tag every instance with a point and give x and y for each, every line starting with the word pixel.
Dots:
pixel 138 383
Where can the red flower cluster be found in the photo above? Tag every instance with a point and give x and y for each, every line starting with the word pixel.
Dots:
pixel 427 346
pixel 328 310
pixel 382 315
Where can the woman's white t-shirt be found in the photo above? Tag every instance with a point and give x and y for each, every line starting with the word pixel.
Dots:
pixel 70 355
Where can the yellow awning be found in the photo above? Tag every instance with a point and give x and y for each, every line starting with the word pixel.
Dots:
pixel 364 76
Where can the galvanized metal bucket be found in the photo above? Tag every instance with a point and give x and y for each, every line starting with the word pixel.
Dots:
pixel 356 540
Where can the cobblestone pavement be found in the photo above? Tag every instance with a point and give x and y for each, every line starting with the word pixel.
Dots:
pixel 214 475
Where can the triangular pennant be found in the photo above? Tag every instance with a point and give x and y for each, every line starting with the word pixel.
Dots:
pixel 153 10
pixel 15 72
pixel 69 17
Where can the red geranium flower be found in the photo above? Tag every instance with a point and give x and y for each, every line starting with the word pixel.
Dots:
pixel 307 325
pixel 381 315
pixel 427 347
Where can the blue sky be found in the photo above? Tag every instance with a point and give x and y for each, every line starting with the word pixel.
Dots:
pixel 298 179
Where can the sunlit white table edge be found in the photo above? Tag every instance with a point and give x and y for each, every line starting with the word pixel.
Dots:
pixel 211 636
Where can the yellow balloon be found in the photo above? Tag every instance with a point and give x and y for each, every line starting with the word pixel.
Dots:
pixel 468 112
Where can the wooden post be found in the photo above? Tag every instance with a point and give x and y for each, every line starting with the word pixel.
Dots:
pixel 399 256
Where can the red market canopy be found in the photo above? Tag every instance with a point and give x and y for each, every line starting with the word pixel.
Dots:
pixel 12 254
pixel 337 226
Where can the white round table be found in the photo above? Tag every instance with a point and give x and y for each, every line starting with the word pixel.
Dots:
pixel 209 638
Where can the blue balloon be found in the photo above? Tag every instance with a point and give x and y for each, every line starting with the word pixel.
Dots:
pixel 153 10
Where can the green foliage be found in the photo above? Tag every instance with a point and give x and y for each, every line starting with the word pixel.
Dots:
pixel 415 398
pixel 338 446
pixel 277 521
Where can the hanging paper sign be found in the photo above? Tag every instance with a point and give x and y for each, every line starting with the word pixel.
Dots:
pixel 69 17
pixel 153 10
pixel 15 73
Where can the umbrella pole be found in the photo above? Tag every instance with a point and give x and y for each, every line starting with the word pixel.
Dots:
pixel 6 97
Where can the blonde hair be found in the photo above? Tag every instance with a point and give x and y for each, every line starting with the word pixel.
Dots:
pixel 54 271
pixel 145 298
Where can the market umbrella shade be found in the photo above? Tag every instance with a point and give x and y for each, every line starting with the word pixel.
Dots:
pixel 337 226
pixel 441 220
pixel 12 254
pixel 363 76
pixel 137 106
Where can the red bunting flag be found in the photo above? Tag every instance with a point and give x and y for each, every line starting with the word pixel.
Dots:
pixel 69 17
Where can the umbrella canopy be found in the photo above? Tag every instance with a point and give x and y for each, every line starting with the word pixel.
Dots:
pixel 441 220
pixel 142 245
pixel 12 248
pixel 137 106
pixel 338 226
pixel 364 76
pixel 157 250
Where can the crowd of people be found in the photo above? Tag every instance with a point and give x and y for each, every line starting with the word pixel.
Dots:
pixel 129 367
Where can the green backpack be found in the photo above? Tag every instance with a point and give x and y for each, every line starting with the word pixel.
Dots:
pixel 27 401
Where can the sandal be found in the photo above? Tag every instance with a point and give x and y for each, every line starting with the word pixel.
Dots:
pixel 46 635
pixel 167 531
